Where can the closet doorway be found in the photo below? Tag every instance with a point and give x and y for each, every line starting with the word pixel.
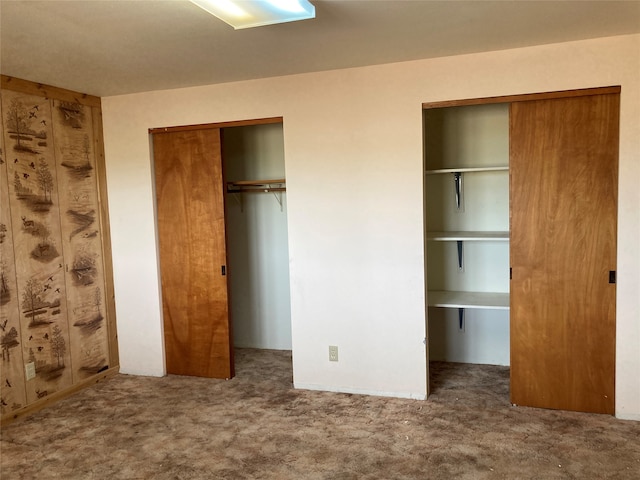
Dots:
pixel 222 235
pixel 520 210
pixel 257 240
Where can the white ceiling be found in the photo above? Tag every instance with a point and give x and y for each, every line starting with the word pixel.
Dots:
pixel 111 47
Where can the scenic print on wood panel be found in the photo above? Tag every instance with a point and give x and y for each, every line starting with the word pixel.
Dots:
pixel 75 154
pixel 37 242
pixel 55 305
pixel 12 388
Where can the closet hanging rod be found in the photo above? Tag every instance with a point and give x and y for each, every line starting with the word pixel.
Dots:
pixel 262 189
pixel 257 186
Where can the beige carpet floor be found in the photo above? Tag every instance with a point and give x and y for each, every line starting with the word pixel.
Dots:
pixel 257 427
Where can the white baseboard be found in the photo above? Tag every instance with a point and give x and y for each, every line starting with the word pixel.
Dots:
pixel 359 391
pixel 628 416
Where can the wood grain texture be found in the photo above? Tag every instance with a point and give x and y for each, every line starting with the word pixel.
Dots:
pixel 191 231
pixel 563 195
pixel 103 216
pixel 13 394
pixel 37 235
pixel 49 399
pixel 524 97
pixel 218 125
pixel 53 155
pixel 81 241
pixel 48 91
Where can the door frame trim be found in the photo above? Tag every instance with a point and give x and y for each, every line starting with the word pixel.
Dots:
pixel 523 97
pixel 206 126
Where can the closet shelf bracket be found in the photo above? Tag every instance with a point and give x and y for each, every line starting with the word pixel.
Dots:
pixel 238 199
pixel 278 197
pixel 457 183
pixel 277 187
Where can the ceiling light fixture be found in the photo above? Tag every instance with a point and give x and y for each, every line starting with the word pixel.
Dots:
pixel 255 13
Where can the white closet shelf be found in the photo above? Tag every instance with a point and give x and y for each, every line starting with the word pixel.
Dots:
pixel 436 171
pixel 468 236
pixel 449 299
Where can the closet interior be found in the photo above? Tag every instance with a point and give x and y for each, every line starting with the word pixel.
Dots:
pixel 520 227
pixel 467 233
pixel 257 245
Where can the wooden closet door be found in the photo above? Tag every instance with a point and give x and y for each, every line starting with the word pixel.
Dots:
pixel 564 173
pixel 191 232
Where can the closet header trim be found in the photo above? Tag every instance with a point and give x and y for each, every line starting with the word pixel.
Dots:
pixel 205 126
pixel 524 97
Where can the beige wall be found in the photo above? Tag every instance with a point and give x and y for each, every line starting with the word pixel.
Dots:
pixel 353 153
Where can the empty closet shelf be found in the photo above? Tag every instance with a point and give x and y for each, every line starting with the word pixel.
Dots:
pixel 450 299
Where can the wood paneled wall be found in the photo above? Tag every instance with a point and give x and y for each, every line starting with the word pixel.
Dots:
pixel 57 309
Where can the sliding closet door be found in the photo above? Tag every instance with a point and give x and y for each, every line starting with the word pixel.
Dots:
pixel 564 171
pixel 191 232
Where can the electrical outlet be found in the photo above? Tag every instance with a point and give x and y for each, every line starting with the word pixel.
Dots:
pixel 333 353
pixel 30 370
